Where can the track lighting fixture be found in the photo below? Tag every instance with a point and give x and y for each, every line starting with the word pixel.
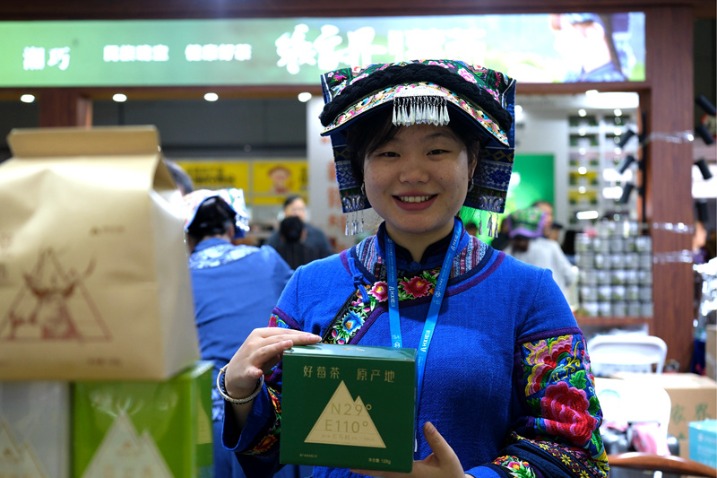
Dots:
pixel 704 169
pixel 701 129
pixel 626 162
pixel 705 104
pixel 625 138
pixel 627 189
pixel 702 132
pixel 702 211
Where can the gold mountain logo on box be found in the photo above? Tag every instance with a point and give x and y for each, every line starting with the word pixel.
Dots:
pixel 345 421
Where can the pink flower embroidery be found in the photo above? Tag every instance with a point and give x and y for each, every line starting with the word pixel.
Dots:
pixel 466 75
pixel 565 410
pixel 379 291
pixel 416 287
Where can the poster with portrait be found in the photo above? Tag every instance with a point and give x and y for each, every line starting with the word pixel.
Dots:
pixel 275 179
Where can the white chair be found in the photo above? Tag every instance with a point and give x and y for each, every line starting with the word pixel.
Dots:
pixel 627 353
pixel 634 404
pixel 628 401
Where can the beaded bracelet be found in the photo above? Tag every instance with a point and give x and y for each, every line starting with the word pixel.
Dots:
pixel 236 401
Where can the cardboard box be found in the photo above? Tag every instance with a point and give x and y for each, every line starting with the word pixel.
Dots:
pixel 94 283
pixel 703 442
pixel 711 352
pixel 158 429
pixel 35 429
pixel 348 406
pixel 694 398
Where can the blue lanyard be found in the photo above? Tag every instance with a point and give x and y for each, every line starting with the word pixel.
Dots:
pixel 434 308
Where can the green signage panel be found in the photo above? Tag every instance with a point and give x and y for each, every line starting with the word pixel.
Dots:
pixel 295 51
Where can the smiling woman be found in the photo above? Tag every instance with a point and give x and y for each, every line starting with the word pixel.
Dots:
pixel 416 179
pixel 503 383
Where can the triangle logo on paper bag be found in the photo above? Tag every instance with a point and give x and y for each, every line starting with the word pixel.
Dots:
pixel 53 304
pixel 345 421
pixel 17 459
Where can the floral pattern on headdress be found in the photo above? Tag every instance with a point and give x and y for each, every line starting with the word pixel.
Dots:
pixel 491 177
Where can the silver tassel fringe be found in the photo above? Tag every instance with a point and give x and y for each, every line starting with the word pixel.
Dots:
pixel 412 110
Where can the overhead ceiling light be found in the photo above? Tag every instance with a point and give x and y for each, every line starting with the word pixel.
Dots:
pixel 304 96
pixel 119 97
pixel 582 113
pixel 617 112
pixel 592 92
pixel 211 96
pixel 27 98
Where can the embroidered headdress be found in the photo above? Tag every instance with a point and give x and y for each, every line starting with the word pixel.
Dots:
pixel 229 207
pixel 424 92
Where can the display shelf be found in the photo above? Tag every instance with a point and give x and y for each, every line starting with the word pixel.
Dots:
pixel 584 321
pixel 593 146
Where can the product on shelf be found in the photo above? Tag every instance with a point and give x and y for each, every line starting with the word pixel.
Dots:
pixel 35 429
pixel 161 429
pixel 615 278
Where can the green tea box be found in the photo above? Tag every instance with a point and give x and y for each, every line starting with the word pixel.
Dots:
pixel 349 406
pixel 34 429
pixel 161 429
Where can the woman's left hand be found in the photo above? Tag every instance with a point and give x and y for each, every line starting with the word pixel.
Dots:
pixel 442 463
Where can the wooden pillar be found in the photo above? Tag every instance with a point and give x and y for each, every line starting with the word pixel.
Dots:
pixel 64 107
pixel 668 107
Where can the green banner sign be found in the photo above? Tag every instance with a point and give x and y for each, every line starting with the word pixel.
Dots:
pixel 531 48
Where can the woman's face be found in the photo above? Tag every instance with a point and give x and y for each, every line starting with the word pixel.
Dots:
pixel 417 182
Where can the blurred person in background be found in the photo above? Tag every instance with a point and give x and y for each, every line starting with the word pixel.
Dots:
pixel 529 244
pixel 547 208
pixel 292 246
pixel 294 205
pixel 699 243
pixel 235 288
pixel 501 241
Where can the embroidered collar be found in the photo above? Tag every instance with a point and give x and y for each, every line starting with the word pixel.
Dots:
pixel 432 256
pixel 215 252
pixel 370 257
pixel 209 242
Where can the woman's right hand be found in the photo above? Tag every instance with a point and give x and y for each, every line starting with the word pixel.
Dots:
pixel 261 350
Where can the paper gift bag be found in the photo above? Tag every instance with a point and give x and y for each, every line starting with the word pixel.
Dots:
pixel 139 428
pixel 94 281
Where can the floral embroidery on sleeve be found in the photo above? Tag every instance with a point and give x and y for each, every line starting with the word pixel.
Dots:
pixel 514 466
pixel 562 403
pixel 270 439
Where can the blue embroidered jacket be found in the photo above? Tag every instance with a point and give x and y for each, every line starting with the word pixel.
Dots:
pixel 507 379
